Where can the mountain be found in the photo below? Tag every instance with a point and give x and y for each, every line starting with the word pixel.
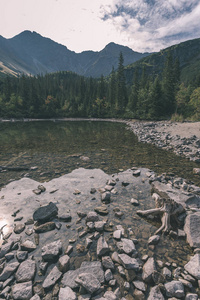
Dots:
pixel 31 53
pixel 188 54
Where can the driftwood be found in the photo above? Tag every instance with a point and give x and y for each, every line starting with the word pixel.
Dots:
pixel 166 209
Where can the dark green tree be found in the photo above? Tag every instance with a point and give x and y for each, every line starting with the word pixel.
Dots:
pixel 122 98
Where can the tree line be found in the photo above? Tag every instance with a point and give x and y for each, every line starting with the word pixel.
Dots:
pixel 66 94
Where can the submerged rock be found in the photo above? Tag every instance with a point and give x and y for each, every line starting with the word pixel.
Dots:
pixel 45 213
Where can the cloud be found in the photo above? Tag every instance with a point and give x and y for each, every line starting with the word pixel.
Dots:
pixel 153 24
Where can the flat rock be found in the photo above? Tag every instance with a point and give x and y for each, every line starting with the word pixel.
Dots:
pixel 8 270
pixel 102 210
pixel 174 289
pixel 89 282
pixel 28 246
pixel 193 266
pixel 155 294
pixel 153 240
pixel 45 213
pixel 128 262
pixel 22 291
pixel 19 228
pixel 63 263
pixel 92 217
pixel 191 228
pixel 52 278
pixel 102 246
pixel 107 262
pixel 26 271
pixel 45 227
pixel 6 248
pixel 148 269
pixel 127 246
pixel 66 294
pixel 93 267
pixel 65 217
pixel 117 234
pixel 52 250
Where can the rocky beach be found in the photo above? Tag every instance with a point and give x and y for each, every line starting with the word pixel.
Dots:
pixel 89 235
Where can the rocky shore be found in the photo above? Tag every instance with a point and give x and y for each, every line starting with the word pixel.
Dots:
pixel 74 237
pixel 181 138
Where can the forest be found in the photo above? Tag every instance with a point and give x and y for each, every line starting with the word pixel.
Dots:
pixel 66 94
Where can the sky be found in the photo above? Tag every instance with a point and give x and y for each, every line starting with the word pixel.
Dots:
pixel 142 25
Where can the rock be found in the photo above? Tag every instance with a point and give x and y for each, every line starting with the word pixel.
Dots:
pixel 26 271
pixel 148 269
pixel 8 270
pixel 107 263
pixel 99 225
pixel 167 273
pixel 69 249
pixel 81 214
pixel 196 171
pixel 119 227
pixel 127 246
pixel 136 173
pixel 63 263
pixel 191 296
pixel 153 240
pixel 193 266
pixel 43 267
pixel 108 275
pixel 129 262
pixel 9 256
pixel 65 217
pixel 92 217
pixel 102 210
pixel 6 248
pixel 89 282
pixel 105 197
pixel 88 243
pixel 139 285
pixel 191 228
pixel 45 227
pixel 93 267
pixel 28 246
pixel 35 297
pixel 22 291
pixel 117 234
pixel 138 295
pixel 102 246
pixel 19 228
pixel 115 257
pixel 155 294
pixel 134 202
pixel 45 213
pixel 66 294
pixel 52 278
pixel 51 251
pixel 174 289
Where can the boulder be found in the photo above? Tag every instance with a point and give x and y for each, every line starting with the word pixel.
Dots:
pixel 28 246
pixel 174 289
pixel 52 278
pixel 52 250
pixel 191 228
pixel 8 271
pixel 45 213
pixel 193 266
pixel 127 246
pixel 26 271
pixel 22 291
pixel 128 262
pixel 89 282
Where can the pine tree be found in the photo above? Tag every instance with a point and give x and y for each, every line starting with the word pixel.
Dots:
pixel 122 98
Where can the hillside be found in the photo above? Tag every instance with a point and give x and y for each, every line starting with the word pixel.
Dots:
pixel 187 52
pixel 31 53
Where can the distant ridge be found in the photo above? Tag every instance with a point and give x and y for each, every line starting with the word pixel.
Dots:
pixel 30 53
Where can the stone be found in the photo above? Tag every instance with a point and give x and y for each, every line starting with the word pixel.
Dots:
pixel 119 227
pixel 196 171
pixel 28 246
pixel 127 246
pixel 115 257
pixel 65 217
pixel 51 251
pixel 66 294
pixel 63 263
pixel 138 295
pixel 136 172
pixel 117 234
pixel 193 266
pixel 148 269
pixel 167 273
pixel 88 243
pixel 18 228
pixel 93 267
pixel 108 275
pixel 102 247
pixel 35 297
pixel 191 296
pixel 43 267
pixel 89 282
pixel 8 270
pixel 45 227
pixel 155 294
pixel 69 249
pixel 128 262
pixel 135 202
pixel 174 289
pixel 81 214
pixel 99 225
pixel 107 263
pixel 191 228
pixel 6 248
pixel 26 271
pixel 153 240
pixel 22 291
pixel 105 197
pixel 52 278
pixel 45 213
pixel 140 285
pixel 101 210
pixel 92 217
pixel 9 256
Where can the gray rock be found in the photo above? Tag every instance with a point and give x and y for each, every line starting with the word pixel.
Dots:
pixel 102 210
pixel 6 248
pixel 5 293
pixel 65 217
pixel 9 256
pixel 167 273
pixel 45 227
pixel 45 213
pixel 52 278
pixel 140 285
pixel 102 247
pixel 109 295
pixel 43 267
pixel 191 296
pixel 22 291
pixel 117 234
pixel 105 197
pixel 135 202
pixel 66 294
pixel 88 243
pixel 115 257
pixel 108 275
pixel 28 246
pixel 26 271
pixel 35 297
pixel 193 266
pixel 127 246
pixel 52 250
pixel 107 262
pixel 93 267
pixel 89 282
pixel 8 271
pixel 128 262
pixel 155 294
pixel 92 217
pixel 99 225
pixel 153 240
pixel 174 289
pixel 19 228
pixel 63 263
pixel 21 255
pixel 191 228
pixel 148 269
pixel 138 295
pixel 119 227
